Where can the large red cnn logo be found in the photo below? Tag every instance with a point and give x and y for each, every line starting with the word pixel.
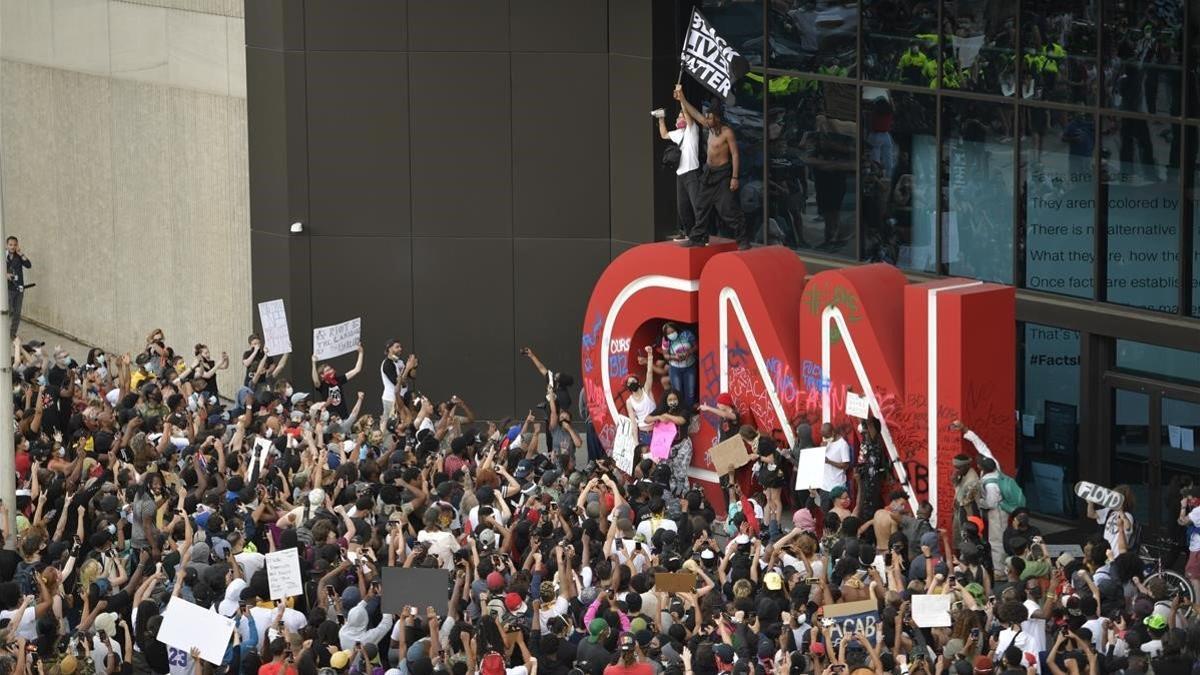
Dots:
pixel 790 350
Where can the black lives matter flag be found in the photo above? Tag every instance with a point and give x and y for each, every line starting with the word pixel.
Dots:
pixel 708 58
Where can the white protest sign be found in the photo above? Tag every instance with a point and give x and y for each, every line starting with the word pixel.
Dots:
pixel 262 448
pixel 624 444
pixel 342 338
pixel 931 611
pixel 283 574
pixel 810 468
pixel 185 626
pixel 276 338
pixel 856 406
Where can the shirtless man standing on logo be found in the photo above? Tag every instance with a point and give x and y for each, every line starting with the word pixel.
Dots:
pixel 719 179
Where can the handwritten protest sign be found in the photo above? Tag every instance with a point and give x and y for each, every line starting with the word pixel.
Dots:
pixel 283 573
pixel 860 617
pixel 276 338
pixel 624 444
pixel 342 338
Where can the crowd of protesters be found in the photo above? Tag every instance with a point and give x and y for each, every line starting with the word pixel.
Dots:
pixel 138 483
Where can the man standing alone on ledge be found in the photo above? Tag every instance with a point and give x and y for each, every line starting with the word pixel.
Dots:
pixel 719 179
pixel 16 263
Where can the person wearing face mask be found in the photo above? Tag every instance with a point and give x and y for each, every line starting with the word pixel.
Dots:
pixel 640 403
pixel 329 383
pixel 673 410
pixel 686 135
pixel 837 460
pixel 679 346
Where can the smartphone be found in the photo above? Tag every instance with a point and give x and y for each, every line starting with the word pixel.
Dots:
pixel 341 619
pixel 975 633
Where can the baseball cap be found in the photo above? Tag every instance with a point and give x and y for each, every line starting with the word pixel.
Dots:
pixel 68 665
pixel 340 659
pixel 1155 622
pixel 725 398
pixel 724 652
pixel 514 603
pixel 596 628
pixel 495 581
pixel 627 643
pixel 773 581
pixel 106 622
pixel 983 665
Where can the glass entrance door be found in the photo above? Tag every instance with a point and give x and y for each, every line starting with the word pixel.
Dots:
pixel 1154 425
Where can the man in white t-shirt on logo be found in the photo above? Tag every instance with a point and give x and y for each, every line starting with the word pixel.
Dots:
pixel 686 135
pixel 837 460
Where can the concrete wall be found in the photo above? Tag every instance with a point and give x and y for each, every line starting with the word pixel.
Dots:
pixel 124 156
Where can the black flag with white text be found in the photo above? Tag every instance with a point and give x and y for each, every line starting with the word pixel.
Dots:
pixel 708 58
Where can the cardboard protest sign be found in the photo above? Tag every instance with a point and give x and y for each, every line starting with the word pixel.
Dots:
pixel 728 455
pixel 675 582
pixel 416 587
pixel 860 617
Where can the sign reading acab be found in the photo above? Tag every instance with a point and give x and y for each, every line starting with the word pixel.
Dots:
pixel 792 349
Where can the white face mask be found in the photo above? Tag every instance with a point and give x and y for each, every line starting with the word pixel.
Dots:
pixel 672 336
pixel 100 359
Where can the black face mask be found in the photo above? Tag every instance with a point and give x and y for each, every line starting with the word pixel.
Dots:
pixel 672 407
pixel 633 386
pixel 1034 593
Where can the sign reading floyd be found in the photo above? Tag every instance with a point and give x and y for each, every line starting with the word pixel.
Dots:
pixel 790 350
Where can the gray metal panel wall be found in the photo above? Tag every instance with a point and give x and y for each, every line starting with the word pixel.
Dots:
pixel 461 182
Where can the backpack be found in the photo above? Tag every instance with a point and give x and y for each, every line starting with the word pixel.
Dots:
pixel 492 662
pixel 1011 495
pixel 24 578
pixel 734 509
pixel 304 530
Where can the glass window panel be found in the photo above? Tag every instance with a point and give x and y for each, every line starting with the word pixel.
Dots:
pixel 1059 47
pixel 980 45
pixel 1060 198
pixel 899 170
pixel 740 23
pixel 1180 426
pixel 812 188
pixel 977 217
pixel 1162 361
pixel 1195 166
pixel 899 41
pixel 1142 45
pixel 818 36
pixel 1192 86
pixel 1049 407
pixel 1131 448
pixel 1143 213
pixel 744 117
